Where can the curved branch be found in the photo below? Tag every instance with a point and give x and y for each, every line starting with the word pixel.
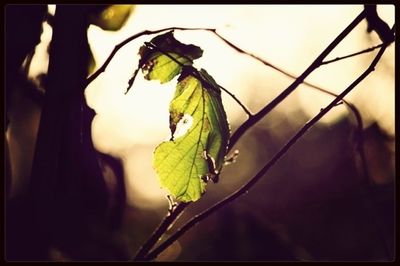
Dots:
pixel 125 42
pixel 192 222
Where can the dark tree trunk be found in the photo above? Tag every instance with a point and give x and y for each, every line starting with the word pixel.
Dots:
pixel 68 193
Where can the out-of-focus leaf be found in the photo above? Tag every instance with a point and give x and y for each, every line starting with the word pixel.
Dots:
pixel 200 134
pixel 113 17
pixel 91 63
pixel 156 61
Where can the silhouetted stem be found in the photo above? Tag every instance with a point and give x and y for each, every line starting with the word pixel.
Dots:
pixel 351 55
pixel 161 229
pixel 317 62
pixel 351 106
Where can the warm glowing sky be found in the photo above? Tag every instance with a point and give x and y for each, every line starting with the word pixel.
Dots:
pixel 288 36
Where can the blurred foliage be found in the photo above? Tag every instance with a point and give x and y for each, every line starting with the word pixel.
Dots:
pixel 92 63
pixel 111 17
pixel 22 28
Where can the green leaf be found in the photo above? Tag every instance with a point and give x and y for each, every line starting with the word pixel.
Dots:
pixel 158 58
pixel 200 134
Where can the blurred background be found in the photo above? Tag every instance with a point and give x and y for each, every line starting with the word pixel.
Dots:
pixel 317 203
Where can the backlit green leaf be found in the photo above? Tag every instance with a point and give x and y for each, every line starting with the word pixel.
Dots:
pixel 200 134
pixel 158 57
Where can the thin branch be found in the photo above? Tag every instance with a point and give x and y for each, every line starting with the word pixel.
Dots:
pixel 355 111
pixel 240 50
pixel 194 72
pixel 192 222
pixel 359 130
pixel 162 228
pixel 245 109
pixel 317 62
pixel 125 42
pixel 353 54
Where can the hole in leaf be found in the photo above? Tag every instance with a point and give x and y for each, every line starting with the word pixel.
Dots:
pixel 184 124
